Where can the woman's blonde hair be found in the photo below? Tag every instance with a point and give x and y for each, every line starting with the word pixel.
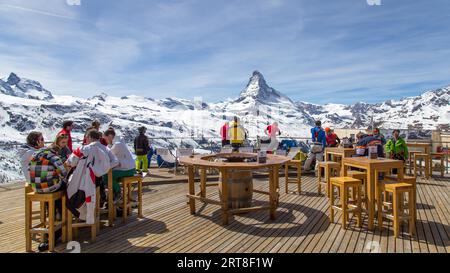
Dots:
pixel 59 137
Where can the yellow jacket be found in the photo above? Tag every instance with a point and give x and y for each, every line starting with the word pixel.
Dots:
pixel 236 132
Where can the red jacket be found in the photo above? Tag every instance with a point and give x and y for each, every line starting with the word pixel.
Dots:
pixel 69 141
pixel 224 131
pixel 332 140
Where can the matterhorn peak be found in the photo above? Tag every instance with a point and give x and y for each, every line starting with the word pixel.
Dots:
pixel 258 89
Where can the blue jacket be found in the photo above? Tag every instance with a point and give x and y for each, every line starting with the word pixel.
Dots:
pixel 365 140
pixel 318 135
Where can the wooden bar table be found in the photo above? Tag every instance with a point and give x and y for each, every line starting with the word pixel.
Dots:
pixel 372 166
pixel 339 152
pixel 425 147
pixel 215 161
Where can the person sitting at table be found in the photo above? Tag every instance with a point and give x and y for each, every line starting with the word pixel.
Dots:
pixel 364 141
pixel 91 161
pixel 126 167
pixel 61 144
pixel 35 141
pixel 47 174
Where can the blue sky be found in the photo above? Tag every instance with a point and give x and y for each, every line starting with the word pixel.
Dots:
pixel 318 51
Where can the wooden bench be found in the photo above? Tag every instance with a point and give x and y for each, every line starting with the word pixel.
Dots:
pixel 45 226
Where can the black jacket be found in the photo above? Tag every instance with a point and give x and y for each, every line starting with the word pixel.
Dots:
pixel 141 146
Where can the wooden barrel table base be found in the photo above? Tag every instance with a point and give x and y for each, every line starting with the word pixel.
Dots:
pixel 229 165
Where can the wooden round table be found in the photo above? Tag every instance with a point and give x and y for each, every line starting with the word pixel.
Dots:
pixel 224 163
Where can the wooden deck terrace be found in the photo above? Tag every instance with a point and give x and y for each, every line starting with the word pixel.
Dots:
pixel 302 223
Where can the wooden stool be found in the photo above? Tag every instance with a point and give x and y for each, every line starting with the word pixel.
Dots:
pixel 44 227
pixel 127 182
pixel 329 167
pixel 298 165
pixel 410 160
pixel 72 228
pixel 363 177
pixel 398 214
pixel 441 157
pixel 344 184
pixel 426 169
pixel 408 180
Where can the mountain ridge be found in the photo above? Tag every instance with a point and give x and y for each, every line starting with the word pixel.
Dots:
pixel 25 105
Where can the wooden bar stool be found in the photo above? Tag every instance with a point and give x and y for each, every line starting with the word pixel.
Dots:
pixel 72 228
pixel 398 215
pixel 411 161
pixel 328 167
pixel 441 168
pixel 363 177
pixel 426 169
pixel 127 182
pixel 408 180
pixel 298 180
pixel 46 225
pixel 344 184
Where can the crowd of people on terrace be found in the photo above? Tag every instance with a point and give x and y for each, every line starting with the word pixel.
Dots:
pixel 49 168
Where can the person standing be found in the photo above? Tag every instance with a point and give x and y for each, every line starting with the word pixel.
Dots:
pixel 332 139
pixel 66 130
pixel 35 141
pixel 141 148
pixel 236 134
pixel 318 145
pixel 272 131
pixel 224 134
pixel 396 147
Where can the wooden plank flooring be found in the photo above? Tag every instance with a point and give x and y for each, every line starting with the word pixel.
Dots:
pixel 302 224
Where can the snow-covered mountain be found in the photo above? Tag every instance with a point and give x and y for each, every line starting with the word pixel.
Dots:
pixel 25 106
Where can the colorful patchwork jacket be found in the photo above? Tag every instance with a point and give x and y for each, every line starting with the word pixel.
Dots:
pixel 47 171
